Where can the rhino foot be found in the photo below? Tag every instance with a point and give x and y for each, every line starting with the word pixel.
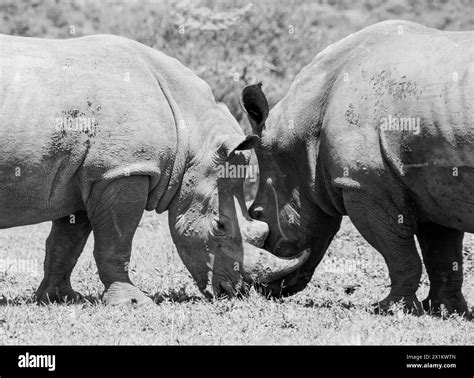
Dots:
pixel 410 304
pixel 446 305
pixel 123 293
pixel 62 293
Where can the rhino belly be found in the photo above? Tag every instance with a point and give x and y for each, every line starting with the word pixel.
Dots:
pixel 30 195
pixel 444 194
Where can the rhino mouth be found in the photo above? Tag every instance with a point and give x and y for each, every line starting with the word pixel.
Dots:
pixel 286 248
pixel 263 267
pixel 260 268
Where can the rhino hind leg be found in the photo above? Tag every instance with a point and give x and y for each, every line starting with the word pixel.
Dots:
pixel 442 254
pixel 63 247
pixel 390 233
pixel 115 210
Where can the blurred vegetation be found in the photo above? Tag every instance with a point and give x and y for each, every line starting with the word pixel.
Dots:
pixel 229 43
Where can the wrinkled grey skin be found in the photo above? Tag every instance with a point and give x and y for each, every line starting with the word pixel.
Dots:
pixel 325 154
pixel 96 130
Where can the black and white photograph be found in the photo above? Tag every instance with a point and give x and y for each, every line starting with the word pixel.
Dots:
pixel 237 187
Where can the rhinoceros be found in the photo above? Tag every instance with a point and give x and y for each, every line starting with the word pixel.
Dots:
pixel 98 129
pixel 379 127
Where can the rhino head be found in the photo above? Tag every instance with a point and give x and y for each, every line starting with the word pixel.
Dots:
pixel 215 237
pixel 287 158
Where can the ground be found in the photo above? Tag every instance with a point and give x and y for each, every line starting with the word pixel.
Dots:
pixel 331 310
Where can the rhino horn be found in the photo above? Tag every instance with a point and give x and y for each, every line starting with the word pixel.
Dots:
pixel 261 266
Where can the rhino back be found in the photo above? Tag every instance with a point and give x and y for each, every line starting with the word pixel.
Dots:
pixel 406 109
pixel 80 111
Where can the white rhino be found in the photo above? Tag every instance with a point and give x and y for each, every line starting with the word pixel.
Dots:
pixel 95 130
pixel 379 127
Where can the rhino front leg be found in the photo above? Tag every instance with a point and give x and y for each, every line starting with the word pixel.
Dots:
pixel 389 231
pixel 63 246
pixel 442 254
pixel 115 211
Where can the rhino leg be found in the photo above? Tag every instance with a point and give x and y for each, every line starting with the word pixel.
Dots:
pixel 442 254
pixel 63 246
pixel 389 232
pixel 115 210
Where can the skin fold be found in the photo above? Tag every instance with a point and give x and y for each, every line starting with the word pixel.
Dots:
pixel 377 127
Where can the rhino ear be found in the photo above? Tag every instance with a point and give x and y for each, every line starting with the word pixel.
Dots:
pixel 254 102
pixel 237 143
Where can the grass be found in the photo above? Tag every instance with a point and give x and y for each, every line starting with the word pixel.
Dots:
pixel 331 310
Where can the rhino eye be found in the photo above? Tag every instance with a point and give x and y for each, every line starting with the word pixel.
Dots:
pixel 218 227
